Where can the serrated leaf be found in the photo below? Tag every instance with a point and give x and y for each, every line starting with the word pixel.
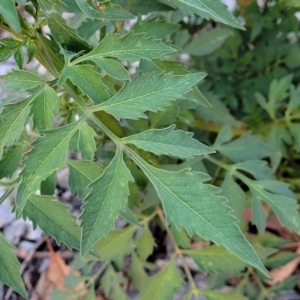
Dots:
pixel 19 57
pixel 44 107
pixel 9 12
pixel 129 47
pixel 143 7
pixel 246 147
pixel 88 81
pixel 280 259
pixel 54 219
pixel 5 53
pixel 10 161
pixel 62 33
pixel 108 196
pixel 22 80
pixel 208 9
pixel 49 153
pixel 155 28
pixel 105 10
pixel 137 272
pixel 148 92
pixel 49 184
pixel 268 240
pixel 258 168
pixel 169 142
pixel 145 243
pixel 12 120
pixel 86 141
pixel 112 67
pixel 10 268
pixel 163 285
pixel 129 216
pixel 294 129
pixel 195 206
pixel 206 42
pixel 117 243
pixel 258 216
pixel 82 173
pixel 216 259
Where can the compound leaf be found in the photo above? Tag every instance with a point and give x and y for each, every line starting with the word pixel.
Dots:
pixel 81 174
pixel 49 153
pixel 195 206
pixel 148 92
pixel 108 196
pixel 44 107
pixel 129 47
pixel 19 80
pixel 169 142
pixel 87 80
pixel 9 268
pixel 162 285
pixel 54 219
pixel 208 9
pixel 12 120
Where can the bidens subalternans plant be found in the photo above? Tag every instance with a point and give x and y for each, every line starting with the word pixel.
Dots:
pixel 89 103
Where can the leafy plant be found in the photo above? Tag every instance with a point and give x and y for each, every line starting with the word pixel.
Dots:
pixel 145 138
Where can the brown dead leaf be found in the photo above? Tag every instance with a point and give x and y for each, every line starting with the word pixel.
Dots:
pixel 280 274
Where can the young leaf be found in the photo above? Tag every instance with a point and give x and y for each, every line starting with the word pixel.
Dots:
pixel 86 141
pixel 9 12
pixel 162 285
pixel 108 196
pixel 112 67
pixel 12 120
pixel 49 153
pixel 9 268
pixel 208 9
pixel 195 206
pixel 148 92
pixel 105 10
pixel 22 80
pixel 129 216
pixel 169 142
pixel 54 219
pixel 44 107
pixel 82 173
pixel 87 80
pixel 247 147
pixel 128 47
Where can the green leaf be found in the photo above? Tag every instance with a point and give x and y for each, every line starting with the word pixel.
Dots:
pixel 44 107
pixel 129 47
pixel 49 153
pixel 112 67
pixel 294 129
pixel 54 219
pixel 86 141
pixel 82 173
pixel 12 120
pixel 19 57
pixel 49 184
pixel 280 259
pixel 137 272
pixel 22 80
pixel 145 243
pixel 206 42
pixel 195 206
pixel 129 216
pixel 216 259
pixel 213 295
pixel 169 142
pixel 208 9
pixel 107 11
pixel 9 12
pixel 148 92
pixel 10 161
pixel 117 243
pixel 246 147
pixel 9 268
pixel 155 28
pixel 258 168
pixel 62 33
pixel 268 240
pixel 108 197
pixel 88 81
pixel 163 285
